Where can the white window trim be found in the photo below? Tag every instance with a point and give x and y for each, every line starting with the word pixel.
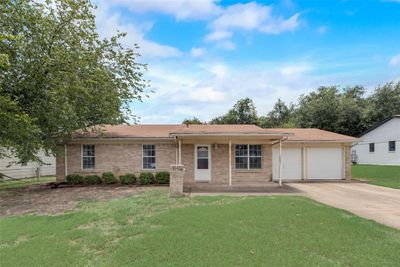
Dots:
pixel 88 169
pixel 155 157
pixel 248 158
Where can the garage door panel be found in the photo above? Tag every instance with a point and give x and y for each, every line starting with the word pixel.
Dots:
pixel 291 163
pixel 324 163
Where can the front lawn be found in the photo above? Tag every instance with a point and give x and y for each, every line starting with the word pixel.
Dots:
pixel 388 176
pixel 150 229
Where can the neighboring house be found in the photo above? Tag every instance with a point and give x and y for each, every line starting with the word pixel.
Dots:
pixel 11 168
pixel 216 154
pixel 380 144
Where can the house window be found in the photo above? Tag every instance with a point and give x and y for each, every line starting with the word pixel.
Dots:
pixel 149 156
pixel 248 157
pixel 392 146
pixel 371 147
pixel 88 157
pixel 24 163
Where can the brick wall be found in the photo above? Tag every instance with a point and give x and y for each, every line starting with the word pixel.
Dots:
pixel 117 158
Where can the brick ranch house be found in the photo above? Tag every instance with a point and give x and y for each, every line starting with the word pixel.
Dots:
pixel 213 154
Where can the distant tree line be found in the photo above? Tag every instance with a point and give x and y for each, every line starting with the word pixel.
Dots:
pixel 343 110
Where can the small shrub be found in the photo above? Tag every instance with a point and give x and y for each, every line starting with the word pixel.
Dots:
pixel 128 178
pixel 92 179
pixel 162 177
pixel 146 178
pixel 109 178
pixel 74 179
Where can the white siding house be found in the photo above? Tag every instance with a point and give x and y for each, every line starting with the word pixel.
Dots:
pixel 9 167
pixel 379 145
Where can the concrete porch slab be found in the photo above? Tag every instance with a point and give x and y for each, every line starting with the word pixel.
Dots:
pixel 248 189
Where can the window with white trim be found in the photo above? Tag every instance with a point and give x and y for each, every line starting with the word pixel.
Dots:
pixel 247 157
pixel 149 156
pixel 88 157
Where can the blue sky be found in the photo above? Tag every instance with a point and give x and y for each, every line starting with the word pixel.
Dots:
pixel 204 55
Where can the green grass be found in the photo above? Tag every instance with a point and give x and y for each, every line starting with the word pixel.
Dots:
pixel 25 182
pixel 388 176
pixel 150 229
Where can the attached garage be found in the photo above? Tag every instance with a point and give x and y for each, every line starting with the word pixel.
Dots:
pixel 308 162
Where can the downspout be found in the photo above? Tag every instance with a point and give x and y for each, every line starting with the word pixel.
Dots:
pixel 230 162
pixel 280 158
pixel 65 160
pixel 180 151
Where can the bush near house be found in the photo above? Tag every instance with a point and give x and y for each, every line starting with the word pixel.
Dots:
pixel 109 178
pixel 74 179
pixel 162 177
pixel 128 178
pixel 146 178
pixel 92 179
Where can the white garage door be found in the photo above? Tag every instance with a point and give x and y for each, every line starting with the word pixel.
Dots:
pixel 291 164
pixel 324 163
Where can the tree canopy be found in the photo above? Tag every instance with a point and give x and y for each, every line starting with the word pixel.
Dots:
pixel 57 75
pixel 342 110
pixel 243 112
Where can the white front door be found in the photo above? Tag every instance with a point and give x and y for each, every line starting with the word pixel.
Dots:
pixel 202 163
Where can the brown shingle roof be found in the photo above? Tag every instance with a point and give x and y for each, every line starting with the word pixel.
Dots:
pixel 313 134
pixel 169 130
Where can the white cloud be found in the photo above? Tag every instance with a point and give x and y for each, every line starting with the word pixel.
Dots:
pixel 294 69
pixel 197 52
pixel 395 61
pixel 109 23
pixel 180 9
pixel 242 16
pixel 218 35
pixel 279 25
pixel 249 17
pixel 207 94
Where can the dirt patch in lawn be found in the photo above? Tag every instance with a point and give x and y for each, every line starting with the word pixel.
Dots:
pixel 36 200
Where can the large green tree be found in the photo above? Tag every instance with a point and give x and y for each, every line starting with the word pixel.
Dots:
pixel 243 112
pixel 57 75
pixel 280 116
pixel 383 103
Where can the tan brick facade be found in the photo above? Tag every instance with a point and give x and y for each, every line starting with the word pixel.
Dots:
pixel 117 158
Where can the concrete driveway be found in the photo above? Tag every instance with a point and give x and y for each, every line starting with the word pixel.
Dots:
pixel 377 203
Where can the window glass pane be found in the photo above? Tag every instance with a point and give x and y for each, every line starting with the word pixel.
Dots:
pixel 202 164
pixel 88 150
pixel 241 162
pixel 392 145
pixel 88 162
pixel 149 150
pixel 255 150
pixel 149 163
pixel 255 162
pixel 241 150
pixel 202 152
pixel 372 147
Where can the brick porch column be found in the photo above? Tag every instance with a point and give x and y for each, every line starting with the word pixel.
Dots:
pixel 176 180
